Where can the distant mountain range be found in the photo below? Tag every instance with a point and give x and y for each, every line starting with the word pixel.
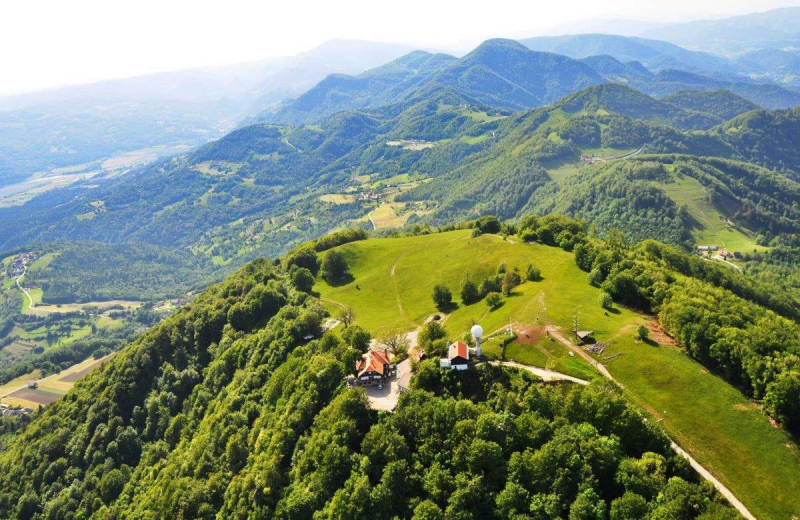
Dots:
pixel 499 73
pixel 80 124
pixel 777 28
pixel 76 125
pixel 505 74
pixel 655 55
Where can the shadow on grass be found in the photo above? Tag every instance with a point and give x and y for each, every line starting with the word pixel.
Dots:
pixel 613 310
pixel 344 280
pixel 650 342
pixel 447 309
pixel 495 307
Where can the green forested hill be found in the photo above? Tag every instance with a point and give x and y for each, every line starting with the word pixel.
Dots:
pixel 498 73
pixel 224 411
pixel 625 101
pixel 766 137
pixel 721 103
pixel 647 198
pixel 505 74
pixel 374 87
pixel 257 191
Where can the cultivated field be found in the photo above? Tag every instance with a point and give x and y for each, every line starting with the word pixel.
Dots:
pixel 16 392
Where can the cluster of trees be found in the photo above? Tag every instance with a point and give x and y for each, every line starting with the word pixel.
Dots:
pixel 496 286
pixel 778 267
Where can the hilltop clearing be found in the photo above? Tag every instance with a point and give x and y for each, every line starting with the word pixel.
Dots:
pixel 392 282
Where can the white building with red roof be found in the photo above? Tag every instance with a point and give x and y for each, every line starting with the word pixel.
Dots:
pixel 457 358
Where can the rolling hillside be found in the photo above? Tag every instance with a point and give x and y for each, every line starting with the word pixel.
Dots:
pixel 230 382
pixel 450 258
pixel 679 200
pixel 75 125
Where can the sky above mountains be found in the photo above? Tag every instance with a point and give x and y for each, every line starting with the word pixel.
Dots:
pixel 51 43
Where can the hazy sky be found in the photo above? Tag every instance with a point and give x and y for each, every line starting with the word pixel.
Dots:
pixel 46 43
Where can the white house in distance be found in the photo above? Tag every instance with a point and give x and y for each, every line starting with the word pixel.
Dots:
pixel 458 357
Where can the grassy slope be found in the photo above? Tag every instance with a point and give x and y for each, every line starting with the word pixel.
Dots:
pixel 708 417
pixel 714 422
pixel 714 229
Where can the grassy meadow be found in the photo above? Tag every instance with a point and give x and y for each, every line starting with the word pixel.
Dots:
pixel 723 430
pixel 713 227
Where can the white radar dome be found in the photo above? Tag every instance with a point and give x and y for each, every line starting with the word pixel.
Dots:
pixel 477 331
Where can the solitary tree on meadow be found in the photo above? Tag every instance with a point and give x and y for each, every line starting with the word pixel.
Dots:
pixel 442 296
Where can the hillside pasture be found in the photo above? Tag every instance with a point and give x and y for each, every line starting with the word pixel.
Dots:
pixel 712 227
pixel 714 422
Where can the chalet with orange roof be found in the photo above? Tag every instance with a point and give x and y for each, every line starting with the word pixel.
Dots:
pixel 374 367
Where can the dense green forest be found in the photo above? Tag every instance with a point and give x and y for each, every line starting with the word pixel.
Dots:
pixel 91 271
pixel 272 432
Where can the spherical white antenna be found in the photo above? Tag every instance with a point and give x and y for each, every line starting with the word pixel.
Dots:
pixel 477 331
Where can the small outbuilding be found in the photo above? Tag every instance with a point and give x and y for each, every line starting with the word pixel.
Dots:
pixel 458 357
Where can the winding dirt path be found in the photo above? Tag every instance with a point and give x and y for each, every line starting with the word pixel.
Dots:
pixel 21 288
pixel 545 374
pixel 556 333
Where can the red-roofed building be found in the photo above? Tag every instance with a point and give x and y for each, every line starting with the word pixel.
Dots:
pixel 373 367
pixel 458 356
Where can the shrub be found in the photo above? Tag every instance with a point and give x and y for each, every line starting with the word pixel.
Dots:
pixel 493 299
pixel 334 266
pixel 533 273
pixel 643 332
pixel 303 280
pixel 510 280
pixel 488 224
